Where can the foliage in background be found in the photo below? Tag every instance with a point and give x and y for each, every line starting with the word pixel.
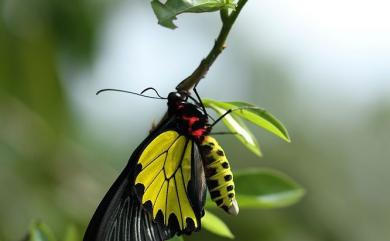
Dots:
pixel 39 231
pixel 168 11
pixel 258 188
pixel 59 18
pixel 36 123
pixel 49 167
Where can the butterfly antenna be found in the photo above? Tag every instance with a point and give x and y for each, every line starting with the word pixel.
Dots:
pixel 232 110
pixel 199 104
pixel 151 88
pixel 130 92
pixel 200 100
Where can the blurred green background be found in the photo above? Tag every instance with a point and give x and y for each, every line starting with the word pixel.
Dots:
pixel 321 67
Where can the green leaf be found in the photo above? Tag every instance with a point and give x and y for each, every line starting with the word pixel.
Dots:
pixel 262 118
pixel 266 188
pixel 72 234
pixel 236 125
pixel 254 114
pixel 176 238
pixel 168 11
pixel 215 225
pixel 40 232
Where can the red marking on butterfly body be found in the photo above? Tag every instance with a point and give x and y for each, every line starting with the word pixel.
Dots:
pixel 199 133
pixel 191 120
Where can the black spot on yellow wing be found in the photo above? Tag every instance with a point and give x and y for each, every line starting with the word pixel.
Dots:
pixel 207 149
pixel 173 222
pixel 225 165
pixel 209 159
pixel 215 194
pixel 218 175
pixel 220 153
pixel 211 172
pixel 224 207
pixel 212 184
pixel 228 178
pixel 190 225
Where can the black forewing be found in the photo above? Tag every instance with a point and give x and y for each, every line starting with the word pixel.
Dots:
pixel 120 216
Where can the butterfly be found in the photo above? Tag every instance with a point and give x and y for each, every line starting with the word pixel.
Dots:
pixel 162 190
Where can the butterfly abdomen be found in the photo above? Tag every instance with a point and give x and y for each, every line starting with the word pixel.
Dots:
pixel 219 176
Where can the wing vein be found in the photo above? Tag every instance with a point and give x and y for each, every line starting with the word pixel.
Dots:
pixel 166 203
pixel 154 178
pixel 162 153
pixel 158 194
pixel 153 160
pixel 178 200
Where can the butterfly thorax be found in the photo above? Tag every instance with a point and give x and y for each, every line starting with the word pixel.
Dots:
pixel 189 118
pixel 191 121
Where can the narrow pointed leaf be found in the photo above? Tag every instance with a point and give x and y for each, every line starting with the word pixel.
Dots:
pixel 40 232
pixel 167 12
pixel 236 125
pixel 215 225
pixel 254 114
pixel 266 188
pixel 176 238
pixel 262 118
pixel 72 234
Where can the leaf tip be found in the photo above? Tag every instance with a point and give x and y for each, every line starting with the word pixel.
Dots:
pixel 169 25
pixel 231 236
pixel 258 153
pixel 215 225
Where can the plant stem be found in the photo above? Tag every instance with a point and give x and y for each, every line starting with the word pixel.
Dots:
pixel 219 45
pixel 205 64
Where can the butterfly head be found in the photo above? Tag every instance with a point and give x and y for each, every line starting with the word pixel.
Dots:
pixel 176 97
pixel 177 100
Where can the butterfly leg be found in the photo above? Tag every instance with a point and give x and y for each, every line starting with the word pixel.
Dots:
pixel 225 133
pixel 200 100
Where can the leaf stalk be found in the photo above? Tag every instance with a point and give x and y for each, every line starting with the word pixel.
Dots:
pixel 219 45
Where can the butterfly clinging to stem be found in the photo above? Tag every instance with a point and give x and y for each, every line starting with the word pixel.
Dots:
pixel 162 190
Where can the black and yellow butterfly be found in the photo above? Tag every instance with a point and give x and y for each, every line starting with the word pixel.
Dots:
pixel 162 190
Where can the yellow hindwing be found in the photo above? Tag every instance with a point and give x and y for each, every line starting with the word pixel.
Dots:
pixel 164 176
